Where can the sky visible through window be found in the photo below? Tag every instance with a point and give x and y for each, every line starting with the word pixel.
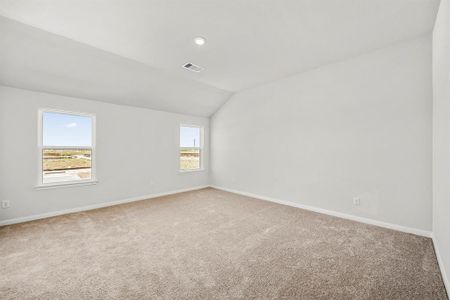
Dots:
pixel 66 130
pixel 189 136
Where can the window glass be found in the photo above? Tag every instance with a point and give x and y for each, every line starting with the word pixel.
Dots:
pixel 66 130
pixel 66 147
pixel 190 148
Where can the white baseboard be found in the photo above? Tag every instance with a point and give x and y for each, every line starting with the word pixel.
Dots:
pixel 332 213
pixel 441 264
pixel 289 203
pixel 95 206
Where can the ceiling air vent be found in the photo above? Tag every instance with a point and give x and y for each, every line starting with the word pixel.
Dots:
pixel 192 67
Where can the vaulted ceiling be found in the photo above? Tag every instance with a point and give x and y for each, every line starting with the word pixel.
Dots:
pixel 131 51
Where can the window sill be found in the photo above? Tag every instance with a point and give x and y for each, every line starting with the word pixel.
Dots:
pixel 65 184
pixel 191 171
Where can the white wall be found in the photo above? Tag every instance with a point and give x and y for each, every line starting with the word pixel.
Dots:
pixel 441 137
pixel 360 127
pixel 137 153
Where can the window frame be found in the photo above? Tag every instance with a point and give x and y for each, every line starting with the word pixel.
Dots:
pixel 201 147
pixel 40 147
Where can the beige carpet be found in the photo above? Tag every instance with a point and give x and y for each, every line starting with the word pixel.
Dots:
pixel 210 244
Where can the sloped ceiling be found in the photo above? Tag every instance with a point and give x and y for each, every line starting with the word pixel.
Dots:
pixel 131 51
pixel 37 60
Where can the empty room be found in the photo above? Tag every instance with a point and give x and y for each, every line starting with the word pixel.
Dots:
pixel 213 149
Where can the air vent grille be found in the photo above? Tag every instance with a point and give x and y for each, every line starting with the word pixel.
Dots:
pixel 192 67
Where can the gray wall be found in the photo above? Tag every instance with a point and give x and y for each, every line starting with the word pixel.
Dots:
pixel 360 127
pixel 441 137
pixel 137 153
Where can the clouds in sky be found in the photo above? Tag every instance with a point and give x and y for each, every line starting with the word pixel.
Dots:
pixel 71 125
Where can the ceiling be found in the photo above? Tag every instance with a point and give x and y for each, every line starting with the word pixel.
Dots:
pixel 249 42
pixel 37 60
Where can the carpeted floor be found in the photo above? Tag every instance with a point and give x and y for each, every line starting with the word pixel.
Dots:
pixel 210 244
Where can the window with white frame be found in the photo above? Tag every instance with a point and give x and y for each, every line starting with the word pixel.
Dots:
pixel 190 147
pixel 66 147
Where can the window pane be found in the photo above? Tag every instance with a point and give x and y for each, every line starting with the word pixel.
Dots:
pixel 60 129
pixel 190 159
pixel 66 165
pixel 189 137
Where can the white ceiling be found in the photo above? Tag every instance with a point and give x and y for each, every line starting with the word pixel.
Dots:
pixel 249 42
pixel 37 60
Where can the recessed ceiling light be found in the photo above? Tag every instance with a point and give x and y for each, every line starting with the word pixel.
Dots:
pixel 200 41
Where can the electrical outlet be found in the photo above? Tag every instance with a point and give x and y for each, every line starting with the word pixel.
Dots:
pixel 6 204
pixel 356 201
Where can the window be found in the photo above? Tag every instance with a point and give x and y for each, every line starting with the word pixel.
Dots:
pixel 190 148
pixel 66 148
